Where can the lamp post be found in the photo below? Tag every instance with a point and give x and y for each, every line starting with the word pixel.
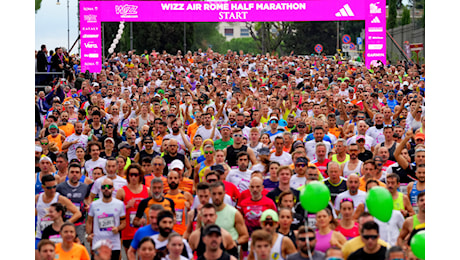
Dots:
pixel 68 28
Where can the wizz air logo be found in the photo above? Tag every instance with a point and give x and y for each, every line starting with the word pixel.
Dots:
pixel 126 11
pixel 90 18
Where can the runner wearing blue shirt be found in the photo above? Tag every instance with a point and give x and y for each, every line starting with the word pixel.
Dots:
pixel 146 231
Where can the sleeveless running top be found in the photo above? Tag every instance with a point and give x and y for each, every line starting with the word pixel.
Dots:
pixel 349 233
pixel 291 236
pixel 357 169
pixel 231 154
pixel 128 232
pixel 415 221
pixel 38 183
pixel 413 196
pixel 334 159
pixel 181 212
pixel 43 221
pixel 143 154
pixel 275 252
pixel 323 241
pixel 398 204
pixel 224 256
pixel 142 122
pixel 201 170
pixel 226 220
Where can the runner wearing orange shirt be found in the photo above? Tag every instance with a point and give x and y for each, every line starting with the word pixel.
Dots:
pixel 182 201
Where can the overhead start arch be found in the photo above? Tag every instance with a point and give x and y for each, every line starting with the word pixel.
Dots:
pixel 92 13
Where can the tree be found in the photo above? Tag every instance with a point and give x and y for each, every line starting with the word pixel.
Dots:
pixel 392 13
pixel 248 45
pixel 205 35
pixel 306 35
pixel 405 18
pixel 38 4
pixel 269 35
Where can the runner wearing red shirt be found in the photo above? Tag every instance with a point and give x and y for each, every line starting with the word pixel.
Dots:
pixel 252 207
pixel 321 159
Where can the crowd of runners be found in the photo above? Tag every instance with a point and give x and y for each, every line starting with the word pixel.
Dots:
pixel 203 156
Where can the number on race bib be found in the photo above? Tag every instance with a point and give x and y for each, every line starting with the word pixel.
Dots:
pixel 312 220
pixel 106 222
pixel 179 213
pixel 45 222
pixel 132 215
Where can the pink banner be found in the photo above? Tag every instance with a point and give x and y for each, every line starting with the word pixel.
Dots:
pixel 92 13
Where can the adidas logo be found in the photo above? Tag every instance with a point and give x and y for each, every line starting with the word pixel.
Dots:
pixel 345 11
pixel 375 20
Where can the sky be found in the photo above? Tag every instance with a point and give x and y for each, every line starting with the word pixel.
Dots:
pixel 51 24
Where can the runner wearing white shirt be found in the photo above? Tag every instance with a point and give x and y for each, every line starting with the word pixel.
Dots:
pixel 206 129
pixel 358 196
pixel 241 176
pixel 299 178
pixel 96 161
pixel 280 156
pixel 74 141
pixel 117 181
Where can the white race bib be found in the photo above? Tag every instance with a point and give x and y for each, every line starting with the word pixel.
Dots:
pixel 106 222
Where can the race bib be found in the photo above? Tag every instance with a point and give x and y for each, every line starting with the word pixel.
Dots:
pixel 243 185
pixel 69 214
pixel 106 222
pixel 311 218
pixel 132 215
pixel 179 213
pixel 45 222
pixel 403 188
pixel 56 238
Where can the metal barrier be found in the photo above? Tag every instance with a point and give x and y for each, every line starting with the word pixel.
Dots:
pixel 42 80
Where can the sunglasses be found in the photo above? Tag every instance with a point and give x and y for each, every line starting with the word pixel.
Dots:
pixel 208 152
pixel 334 258
pixel 157 164
pixel 51 187
pixel 300 165
pixel 106 186
pixel 303 239
pixel 43 143
pixel 238 135
pixel 373 237
pixel 273 122
pixel 134 174
pixel 268 222
pixel 212 180
pixel 301 126
pixel 148 142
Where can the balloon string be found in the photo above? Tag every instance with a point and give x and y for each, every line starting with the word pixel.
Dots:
pixel 306 232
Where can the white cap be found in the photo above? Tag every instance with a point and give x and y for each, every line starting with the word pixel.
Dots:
pixel 38 148
pixel 46 158
pixel 176 164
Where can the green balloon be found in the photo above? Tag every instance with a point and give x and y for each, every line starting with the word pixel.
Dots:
pixel 315 196
pixel 417 244
pixel 380 203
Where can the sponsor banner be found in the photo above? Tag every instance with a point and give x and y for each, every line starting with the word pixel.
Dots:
pixel 92 13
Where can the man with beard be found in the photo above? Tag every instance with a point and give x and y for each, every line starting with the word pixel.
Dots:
pixel 232 151
pixel 303 246
pixel 240 124
pixel 145 231
pixel 353 192
pixel 242 175
pixel 173 155
pixel 175 135
pixel 213 239
pixel 232 118
pixel 76 192
pixel 208 216
pixel 111 170
pixel 401 201
pixel 354 164
pixel 416 187
pixel 75 140
pixel 64 125
pixel 192 128
pixel 182 201
pixel 55 136
pixel 165 226
pixel 225 140
pixel 156 197
pixel 106 218
pixel 205 131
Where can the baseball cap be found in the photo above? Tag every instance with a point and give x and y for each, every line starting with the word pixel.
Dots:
pixel 269 213
pixel 360 137
pixel 53 125
pixel 102 242
pixel 218 168
pixel 124 145
pixel 148 138
pixel 405 83
pixel 171 115
pixel 302 160
pixel 46 158
pixel 264 151
pixel 212 228
pixel 94 84
pixel 109 139
pixel 273 118
pixel 420 136
pixel 176 164
pixel 38 148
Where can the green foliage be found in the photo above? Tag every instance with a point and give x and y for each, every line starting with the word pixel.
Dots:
pixel 205 35
pixel 405 18
pixel 248 45
pixel 38 4
pixel 306 35
pixel 269 36
pixel 392 13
